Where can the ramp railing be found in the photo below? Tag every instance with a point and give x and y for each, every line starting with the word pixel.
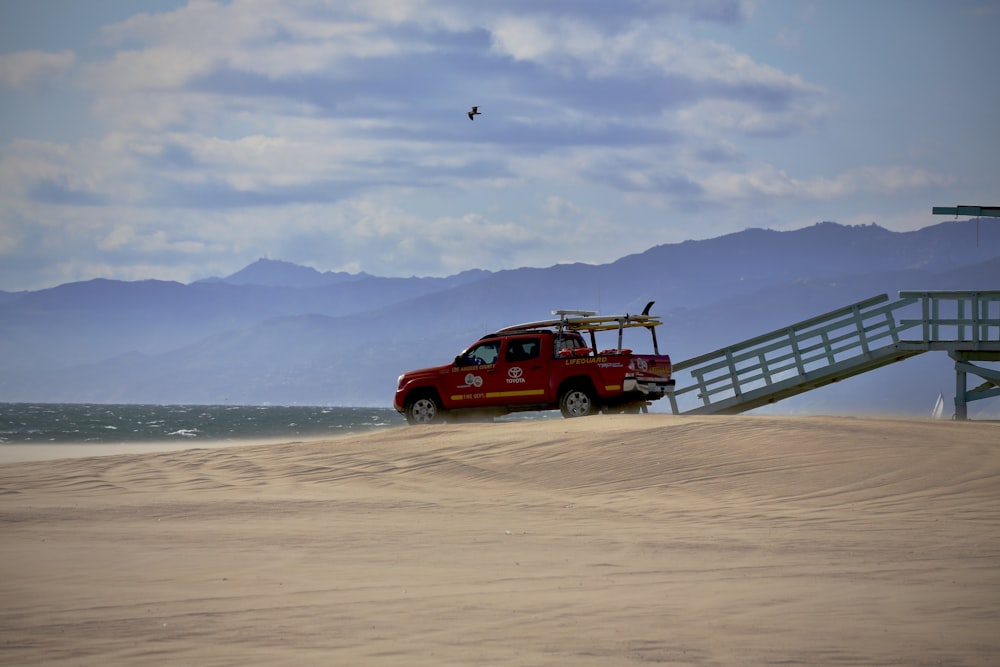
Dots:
pixel 769 367
pixel 837 345
pixel 968 321
pixel 967 326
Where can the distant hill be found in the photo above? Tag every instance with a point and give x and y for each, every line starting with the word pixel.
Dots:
pixel 276 273
pixel 280 333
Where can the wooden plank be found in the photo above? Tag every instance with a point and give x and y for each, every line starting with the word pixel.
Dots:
pixel 975 211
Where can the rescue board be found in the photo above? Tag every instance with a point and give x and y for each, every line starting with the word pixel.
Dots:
pixel 589 323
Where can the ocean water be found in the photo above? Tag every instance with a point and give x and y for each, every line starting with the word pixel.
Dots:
pixel 26 423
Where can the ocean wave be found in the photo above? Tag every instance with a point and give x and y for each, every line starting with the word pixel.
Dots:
pixel 73 422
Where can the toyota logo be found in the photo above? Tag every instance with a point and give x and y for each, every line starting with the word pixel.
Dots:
pixel 514 372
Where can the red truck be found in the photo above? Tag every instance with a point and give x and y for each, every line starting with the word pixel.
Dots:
pixel 546 365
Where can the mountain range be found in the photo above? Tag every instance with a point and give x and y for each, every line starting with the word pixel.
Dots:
pixel 279 333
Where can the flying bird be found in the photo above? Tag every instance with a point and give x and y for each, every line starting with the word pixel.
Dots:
pixel 474 113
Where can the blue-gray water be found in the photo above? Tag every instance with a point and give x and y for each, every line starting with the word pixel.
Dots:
pixel 26 423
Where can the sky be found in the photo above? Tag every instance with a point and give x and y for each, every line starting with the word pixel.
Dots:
pixel 180 140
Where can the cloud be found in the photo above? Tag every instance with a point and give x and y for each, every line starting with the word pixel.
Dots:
pixel 888 180
pixel 334 58
pixel 269 38
pixel 152 69
pixel 261 103
pixel 334 133
pixel 580 47
pixel 767 181
pixel 89 173
pixel 742 117
pixel 52 192
pixel 32 69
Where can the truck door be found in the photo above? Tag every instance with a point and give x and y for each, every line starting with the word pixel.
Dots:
pixel 475 375
pixel 522 371
pixel 499 373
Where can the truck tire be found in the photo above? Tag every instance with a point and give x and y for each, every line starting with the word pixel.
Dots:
pixel 577 401
pixel 423 409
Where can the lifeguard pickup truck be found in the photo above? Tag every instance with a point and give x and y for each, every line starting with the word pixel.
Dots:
pixel 547 365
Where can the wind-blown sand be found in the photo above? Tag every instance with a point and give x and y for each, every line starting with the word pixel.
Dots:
pixel 599 541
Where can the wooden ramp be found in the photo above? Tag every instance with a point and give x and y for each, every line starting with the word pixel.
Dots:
pixel 843 343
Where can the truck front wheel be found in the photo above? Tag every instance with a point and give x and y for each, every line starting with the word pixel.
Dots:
pixel 423 410
pixel 577 402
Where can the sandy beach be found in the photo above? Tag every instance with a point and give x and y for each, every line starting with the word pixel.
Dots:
pixel 609 540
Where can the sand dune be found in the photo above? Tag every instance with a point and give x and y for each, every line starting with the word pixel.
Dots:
pixel 599 541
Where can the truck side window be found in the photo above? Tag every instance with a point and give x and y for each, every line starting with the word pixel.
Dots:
pixel 567 344
pixel 523 349
pixel 484 353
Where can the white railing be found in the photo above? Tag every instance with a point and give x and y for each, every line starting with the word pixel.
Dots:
pixel 967 317
pixel 845 341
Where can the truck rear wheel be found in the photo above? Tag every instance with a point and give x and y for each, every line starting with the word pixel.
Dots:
pixel 577 402
pixel 423 410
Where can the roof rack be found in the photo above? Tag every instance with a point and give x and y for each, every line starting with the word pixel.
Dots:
pixel 587 320
pixel 578 313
